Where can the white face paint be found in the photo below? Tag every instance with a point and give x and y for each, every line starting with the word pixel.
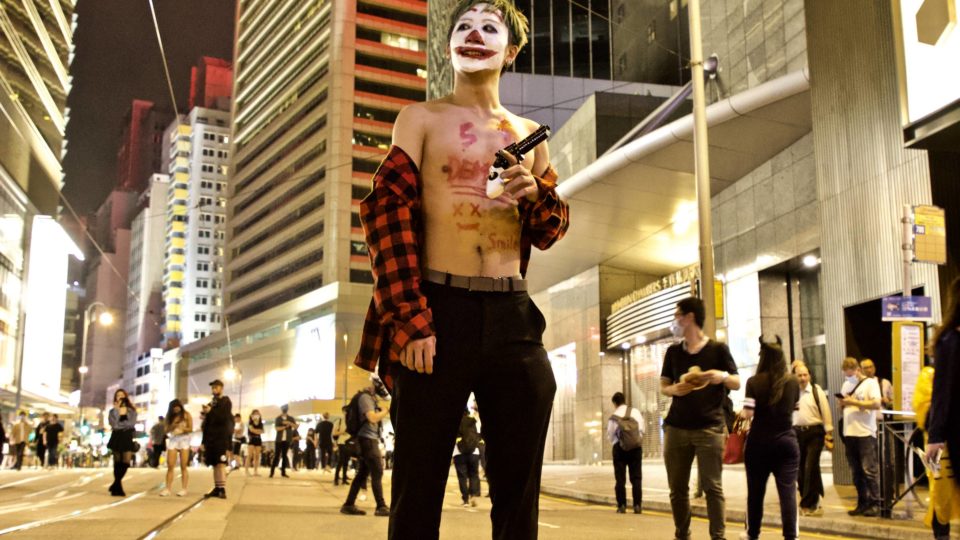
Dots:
pixel 479 41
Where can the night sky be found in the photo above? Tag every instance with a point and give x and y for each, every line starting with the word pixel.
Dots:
pixel 117 60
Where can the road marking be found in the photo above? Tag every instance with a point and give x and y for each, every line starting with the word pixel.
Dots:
pixel 64 517
pixel 73 483
pixel 562 500
pixel 19 482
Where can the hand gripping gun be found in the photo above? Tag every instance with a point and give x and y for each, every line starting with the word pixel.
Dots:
pixel 518 149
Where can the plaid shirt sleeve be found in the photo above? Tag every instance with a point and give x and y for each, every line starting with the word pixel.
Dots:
pixel 390 215
pixel 547 218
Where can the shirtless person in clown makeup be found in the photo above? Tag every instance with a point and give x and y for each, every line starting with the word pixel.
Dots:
pixel 450 313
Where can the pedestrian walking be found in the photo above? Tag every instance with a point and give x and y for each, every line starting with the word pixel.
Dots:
pixel 771 399
pixel 255 444
pixel 285 426
pixel 466 459
pixel 52 436
pixel 367 431
pixel 158 441
pixel 813 424
pixel 325 441
pixel 860 400
pixel 697 372
pixel 122 419
pixel 238 441
pixel 943 437
pixel 40 445
pixel 310 457
pixel 625 433
pixel 217 431
pixel 19 433
pixel 178 429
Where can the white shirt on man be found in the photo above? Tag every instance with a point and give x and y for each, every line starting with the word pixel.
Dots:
pixel 857 422
pixel 612 427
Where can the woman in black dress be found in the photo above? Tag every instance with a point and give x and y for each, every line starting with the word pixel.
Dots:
pixel 254 443
pixel 771 448
pixel 122 418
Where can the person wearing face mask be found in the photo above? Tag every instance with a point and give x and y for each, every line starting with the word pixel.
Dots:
pixel 255 444
pixel 450 312
pixel 860 399
pixel 122 418
pixel 285 426
pixel 217 430
pixel 697 372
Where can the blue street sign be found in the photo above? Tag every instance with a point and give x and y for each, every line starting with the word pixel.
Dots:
pixel 907 308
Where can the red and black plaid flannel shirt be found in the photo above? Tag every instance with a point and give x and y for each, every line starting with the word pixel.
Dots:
pixel 390 214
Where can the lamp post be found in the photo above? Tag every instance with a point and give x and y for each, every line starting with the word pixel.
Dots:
pixel 105 319
pixel 346 366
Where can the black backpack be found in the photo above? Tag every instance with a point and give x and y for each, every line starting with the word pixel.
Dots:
pixel 469 436
pixel 355 419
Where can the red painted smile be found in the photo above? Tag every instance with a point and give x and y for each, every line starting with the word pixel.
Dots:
pixel 475 52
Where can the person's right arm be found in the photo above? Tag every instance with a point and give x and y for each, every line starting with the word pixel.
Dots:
pixel 668 386
pixel 387 215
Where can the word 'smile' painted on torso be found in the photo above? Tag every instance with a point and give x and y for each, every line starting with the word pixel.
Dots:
pixel 466 232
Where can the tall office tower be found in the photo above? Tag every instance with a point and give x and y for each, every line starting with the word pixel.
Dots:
pixel 197 150
pixel 318 86
pixel 145 305
pixel 139 155
pixel 36 46
pixel 211 84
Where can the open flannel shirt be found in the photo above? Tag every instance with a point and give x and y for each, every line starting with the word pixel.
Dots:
pixel 393 227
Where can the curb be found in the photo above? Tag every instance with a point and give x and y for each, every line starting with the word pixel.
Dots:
pixel 887 530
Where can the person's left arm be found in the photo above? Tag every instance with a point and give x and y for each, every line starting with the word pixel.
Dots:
pixel 871 397
pixel 727 376
pixel 545 216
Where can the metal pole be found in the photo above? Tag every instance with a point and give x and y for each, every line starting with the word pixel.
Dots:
pixel 346 366
pixel 83 357
pixel 907 248
pixel 701 151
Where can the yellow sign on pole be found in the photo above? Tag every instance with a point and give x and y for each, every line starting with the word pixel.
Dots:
pixel 907 362
pixel 929 235
pixel 718 298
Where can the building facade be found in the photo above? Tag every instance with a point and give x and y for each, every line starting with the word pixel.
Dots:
pixel 197 149
pixel 36 42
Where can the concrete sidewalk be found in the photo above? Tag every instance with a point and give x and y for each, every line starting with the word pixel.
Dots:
pixel 595 484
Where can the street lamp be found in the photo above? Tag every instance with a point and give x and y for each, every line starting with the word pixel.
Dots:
pixel 105 319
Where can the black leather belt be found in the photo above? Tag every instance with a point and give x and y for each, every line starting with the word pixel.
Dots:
pixel 476 283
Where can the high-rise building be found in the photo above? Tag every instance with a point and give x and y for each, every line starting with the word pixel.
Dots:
pixel 144 315
pixel 139 154
pixel 317 87
pixel 197 150
pixel 211 84
pixel 36 46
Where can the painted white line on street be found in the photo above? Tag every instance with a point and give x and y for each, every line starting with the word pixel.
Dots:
pixel 60 494
pixel 71 515
pixel 19 482
pixel 77 483
pixel 34 505
pixel 542 524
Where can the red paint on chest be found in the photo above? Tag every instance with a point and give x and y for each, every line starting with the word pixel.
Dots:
pixel 466 137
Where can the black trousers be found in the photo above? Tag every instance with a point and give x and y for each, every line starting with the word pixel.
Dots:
pixel 280 452
pixel 326 453
pixel 371 465
pixel 488 343
pixel 343 463
pixel 468 475
pixel 810 479
pixel 863 457
pixel 41 454
pixel 19 448
pixel 779 456
pixel 624 460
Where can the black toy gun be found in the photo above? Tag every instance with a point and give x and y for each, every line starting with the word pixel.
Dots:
pixel 518 149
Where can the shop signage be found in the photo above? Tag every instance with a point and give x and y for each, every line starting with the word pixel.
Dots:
pixel 907 308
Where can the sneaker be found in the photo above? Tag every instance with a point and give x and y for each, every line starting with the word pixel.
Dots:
pixel 621 509
pixel 466 504
pixel 871 511
pixel 473 502
pixel 215 492
pixel 352 510
pixel 363 496
pixel 382 511
pixel 165 492
pixel 182 493
pixel 637 509
pixel 222 493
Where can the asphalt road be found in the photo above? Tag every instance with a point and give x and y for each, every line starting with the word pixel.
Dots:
pixel 74 504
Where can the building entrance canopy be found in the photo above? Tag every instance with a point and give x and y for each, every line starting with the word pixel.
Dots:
pixel 635 207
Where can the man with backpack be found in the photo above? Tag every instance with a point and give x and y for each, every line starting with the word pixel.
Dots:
pixel 466 459
pixel 363 419
pixel 625 432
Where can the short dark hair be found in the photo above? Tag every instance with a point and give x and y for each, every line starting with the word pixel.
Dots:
pixel 693 305
pixel 513 18
pixel 618 399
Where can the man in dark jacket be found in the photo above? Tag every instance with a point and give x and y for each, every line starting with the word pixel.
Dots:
pixel 217 437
